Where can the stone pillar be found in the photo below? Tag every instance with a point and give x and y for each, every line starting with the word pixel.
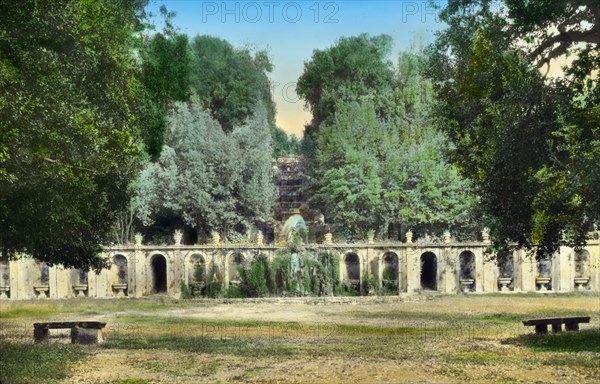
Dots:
pixel 594 251
pixel 445 260
pixel 380 268
pixel 451 268
pixel 138 264
pixel 15 279
pixel 563 265
pixel 175 272
pixel 490 272
pixel 479 261
pixel 528 271
pixel 413 269
pixel 63 283
pixel 52 282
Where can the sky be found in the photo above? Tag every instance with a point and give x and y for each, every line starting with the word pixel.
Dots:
pixel 291 30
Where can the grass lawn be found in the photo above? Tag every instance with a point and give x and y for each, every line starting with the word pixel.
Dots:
pixel 451 339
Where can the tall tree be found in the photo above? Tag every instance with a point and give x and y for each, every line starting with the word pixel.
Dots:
pixel 166 65
pixel 354 68
pixel 230 82
pixel 68 141
pixel 212 180
pixel 527 142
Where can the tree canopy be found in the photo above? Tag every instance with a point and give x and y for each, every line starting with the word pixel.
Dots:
pixel 529 143
pixel 211 179
pixel 378 161
pixel 68 128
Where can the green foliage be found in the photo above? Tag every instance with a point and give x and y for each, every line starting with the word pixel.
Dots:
pixel 207 178
pixel 166 66
pixel 355 68
pixel 378 162
pixel 199 273
pixel 526 142
pixel 389 273
pixel 284 145
pixel 131 381
pixel 257 281
pixel 230 83
pixel 69 96
pixel 23 364
pixel 318 275
pixel 584 340
pixel 186 292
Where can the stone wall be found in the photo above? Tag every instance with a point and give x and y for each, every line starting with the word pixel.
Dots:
pixel 143 270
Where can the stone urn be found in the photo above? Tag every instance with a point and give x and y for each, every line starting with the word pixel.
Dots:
pixel 370 237
pixel 178 236
pixel 328 238
pixel 80 289
pixel 138 238
pixel 466 284
pixel 409 236
pixel 485 235
pixel 543 281
pixel 581 283
pixel 41 291
pixel 216 238
pixel 504 282
pixel 446 237
pixel 260 240
pixel 120 289
pixel 4 291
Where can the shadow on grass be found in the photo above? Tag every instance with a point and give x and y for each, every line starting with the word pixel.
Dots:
pixel 587 340
pixel 234 346
pixel 39 363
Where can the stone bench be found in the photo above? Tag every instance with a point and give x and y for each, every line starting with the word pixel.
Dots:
pixel 571 323
pixel 82 332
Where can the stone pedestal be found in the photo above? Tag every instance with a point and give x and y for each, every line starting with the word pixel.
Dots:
pixel 543 282
pixel 504 283
pixel 4 292
pixel 120 289
pixel 41 291
pixel 466 284
pixel 80 290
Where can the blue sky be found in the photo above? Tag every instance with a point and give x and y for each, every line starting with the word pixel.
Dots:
pixel 291 30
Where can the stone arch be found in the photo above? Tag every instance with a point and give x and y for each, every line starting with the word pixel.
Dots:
pixel 390 279
pixel 195 265
pixel 158 267
pixel 119 269
pixel 466 265
pixel 235 261
pixel 352 264
pixel 429 271
pixel 582 263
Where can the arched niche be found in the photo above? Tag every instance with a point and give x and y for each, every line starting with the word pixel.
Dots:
pixel 429 271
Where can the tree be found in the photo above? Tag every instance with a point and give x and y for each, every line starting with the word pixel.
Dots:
pixel 355 68
pixel 68 141
pixel 210 179
pixel 166 66
pixel 528 143
pixel 231 83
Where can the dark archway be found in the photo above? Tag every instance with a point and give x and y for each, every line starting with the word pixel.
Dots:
pixel 390 266
pixel 352 267
pixel 429 271
pixel 159 274
pixel 466 261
